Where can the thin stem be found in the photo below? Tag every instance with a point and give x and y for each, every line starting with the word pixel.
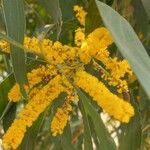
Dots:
pixel 146 128
pixel 98 66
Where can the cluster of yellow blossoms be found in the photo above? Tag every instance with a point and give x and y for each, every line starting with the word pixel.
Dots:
pixel 39 102
pixel 104 97
pixel 80 14
pixel 46 82
pixel 62 115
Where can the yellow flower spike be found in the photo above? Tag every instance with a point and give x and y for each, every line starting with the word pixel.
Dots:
pixel 15 133
pixel 32 45
pixel 60 119
pixel 79 36
pixel 100 38
pixel 118 70
pixel 42 73
pixel 62 116
pixel 96 46
pixel 84 53
pixel 14 94
pixel 80 14
pixel 54 53
pixel 36 75
pixel 113 105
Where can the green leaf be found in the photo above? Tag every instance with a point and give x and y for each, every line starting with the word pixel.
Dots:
pixel 106 142
pixel 80 142
pixel 140 16
pixel 128 43
pixel 9 116
pixel 53 9
pixel 94 136
pixel 146 4
pixel 5 86
pixel 132 132
pixel 87 132
pixel 93 19
pixel 69 23
pixel 7 109
pixel 2 26
pixel 14 16
pixel 67 9
pixel 66 138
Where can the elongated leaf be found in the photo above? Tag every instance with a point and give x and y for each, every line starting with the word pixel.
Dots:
pixel 1 20
pixel 66 138
pixel 8 118
pixel 87 133
pixel 94 135
pixel 7 109
pixel 106 142
pixel 132 132
pixel 15 26
pixel 128 43
pixel 93 19
pixel 5 86
pixel 140 16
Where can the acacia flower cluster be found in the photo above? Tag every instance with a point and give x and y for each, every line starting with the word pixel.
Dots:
pixel 46 82
pixel 36 105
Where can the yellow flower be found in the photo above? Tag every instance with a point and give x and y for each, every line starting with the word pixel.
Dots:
pixel 98 40
pixel 84 53
pixel 113 105
pixel 42 73
pixel 118 69
pixel 95 46
pixel 79 36
pixel 14 94
pixel 61 118
pixel 147 140
pixel 80 14
pixel 4 46
pixel 32 45
pixel 45 96
pixel 62 115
